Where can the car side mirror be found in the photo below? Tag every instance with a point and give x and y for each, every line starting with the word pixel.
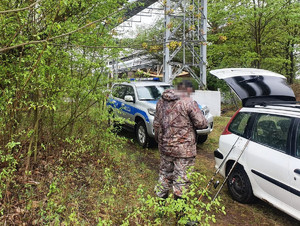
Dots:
pixel 128 98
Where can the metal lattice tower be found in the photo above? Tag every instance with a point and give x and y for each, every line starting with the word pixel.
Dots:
pixel 185 39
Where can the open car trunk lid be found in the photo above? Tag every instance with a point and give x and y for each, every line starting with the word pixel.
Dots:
pixel 256 86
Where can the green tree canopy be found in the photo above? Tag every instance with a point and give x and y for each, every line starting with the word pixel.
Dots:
pixel 53 58
pixel 260 34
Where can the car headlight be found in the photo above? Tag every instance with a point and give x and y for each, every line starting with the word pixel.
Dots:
pixel 205 110
pixel 151 111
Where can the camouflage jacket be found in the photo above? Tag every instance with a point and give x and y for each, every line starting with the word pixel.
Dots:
pixel 175 121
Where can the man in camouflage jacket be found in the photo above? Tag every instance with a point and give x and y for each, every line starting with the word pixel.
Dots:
pixel 176 118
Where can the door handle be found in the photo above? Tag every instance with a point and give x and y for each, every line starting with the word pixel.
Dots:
pixel 297 171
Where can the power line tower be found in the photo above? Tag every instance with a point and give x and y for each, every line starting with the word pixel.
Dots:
pixel 185 39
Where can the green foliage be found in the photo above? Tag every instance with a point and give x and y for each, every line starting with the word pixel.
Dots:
pixel 48 88
pixel 54 208
pixel 82 181
pixel 260 34
pixel 8 164
pixel 54 85
pixel 156 211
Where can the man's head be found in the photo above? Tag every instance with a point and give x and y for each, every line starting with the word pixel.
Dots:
pixel 185 86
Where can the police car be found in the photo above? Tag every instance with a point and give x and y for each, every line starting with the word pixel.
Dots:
pixel 136 101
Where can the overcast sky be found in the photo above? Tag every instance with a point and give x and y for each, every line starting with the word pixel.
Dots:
pixel 144 20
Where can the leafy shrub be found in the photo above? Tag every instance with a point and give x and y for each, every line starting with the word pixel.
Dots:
pixel 154 210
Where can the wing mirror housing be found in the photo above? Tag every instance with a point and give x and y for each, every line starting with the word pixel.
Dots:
pixel 129 98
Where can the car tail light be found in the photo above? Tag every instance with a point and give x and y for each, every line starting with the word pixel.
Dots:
pixel 226 131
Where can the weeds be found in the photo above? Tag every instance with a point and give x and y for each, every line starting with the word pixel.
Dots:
pixel 152 210
pixel 8 163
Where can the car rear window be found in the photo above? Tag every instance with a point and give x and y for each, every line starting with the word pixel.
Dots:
pixel 239 123
pixel 272 131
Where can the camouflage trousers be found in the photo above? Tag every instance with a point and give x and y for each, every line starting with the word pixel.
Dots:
pixel 173 174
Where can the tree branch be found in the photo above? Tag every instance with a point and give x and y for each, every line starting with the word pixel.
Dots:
pixel 41 54
pixel 98 47
pixel 21 9
pixel 62 35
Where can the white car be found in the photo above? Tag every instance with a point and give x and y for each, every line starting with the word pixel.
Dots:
pixel 263 139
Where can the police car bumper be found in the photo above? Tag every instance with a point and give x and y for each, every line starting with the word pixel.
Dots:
pixel 209 128
pixel 205 131
pixel 150 127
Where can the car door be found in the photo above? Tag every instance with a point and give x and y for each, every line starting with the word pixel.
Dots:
pixel 128 107
pixel 267 158
pixel 118 93
pixel 294 171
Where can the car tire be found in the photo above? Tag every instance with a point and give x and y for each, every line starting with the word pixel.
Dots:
pixel 141 134
pixel 239 186
pixel 201 139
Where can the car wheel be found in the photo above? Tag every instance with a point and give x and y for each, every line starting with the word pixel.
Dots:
pixel 201 139
pixel 141 134
pixel 239 186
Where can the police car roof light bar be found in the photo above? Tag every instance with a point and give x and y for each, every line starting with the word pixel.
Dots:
pixel 145 79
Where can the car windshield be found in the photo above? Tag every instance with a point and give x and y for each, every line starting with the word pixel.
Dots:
pixel 151 92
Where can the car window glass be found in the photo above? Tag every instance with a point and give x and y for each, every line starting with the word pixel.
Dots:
pixel 298 143
pixel 151 92
pixel 129 91
pixel 239 123
pixel 119 91
pixel 272 130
